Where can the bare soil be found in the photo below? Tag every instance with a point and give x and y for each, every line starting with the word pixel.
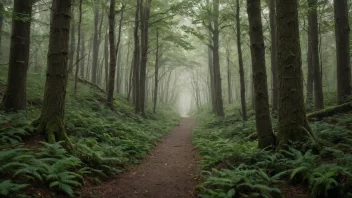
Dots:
pixel 168 172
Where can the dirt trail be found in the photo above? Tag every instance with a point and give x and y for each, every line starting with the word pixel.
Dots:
pixel 168 172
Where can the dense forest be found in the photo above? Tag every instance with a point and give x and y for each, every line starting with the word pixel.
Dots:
pixel 177 98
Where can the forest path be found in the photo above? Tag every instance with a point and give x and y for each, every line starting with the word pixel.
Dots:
pixel 168 172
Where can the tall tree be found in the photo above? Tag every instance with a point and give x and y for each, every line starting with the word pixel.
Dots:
pixel 83 53
pixel 240 62
pixel 136 59
pixel 275 84
pixel 15 96
pixel 113 50
pixel 95 44
pixel 72 41
pixel 156 72
pixel 229 77
pixel 144 17
pixel 292 114
pixel 262 112
pixel 216 60
pixel 310 75
pixel 342 34
pixel 106 60
pixel 314 47
pixel 78 44
pixel 52 118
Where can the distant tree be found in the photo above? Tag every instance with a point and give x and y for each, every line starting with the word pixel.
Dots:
pixel 52 118
pixel 342 34
pixel 292 121
pixel 314 47
pixel 15 96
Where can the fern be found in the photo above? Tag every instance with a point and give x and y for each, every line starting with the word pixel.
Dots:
pixel 11 190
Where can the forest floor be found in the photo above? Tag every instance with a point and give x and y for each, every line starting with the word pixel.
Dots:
pixel 169 170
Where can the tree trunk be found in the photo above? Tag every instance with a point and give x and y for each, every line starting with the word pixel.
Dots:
pixel 229 83
pixel 342 34
pixel 95 45
pixel 292 115
pixel 2 9
pixel 156 73
pixel 118 71
pixel 310 78
pixel 240 61
pixel 52 118
pixel 262 110
pixel 15 96
pixel 136 60
pixel 113 50
pixel 211 74
pixel 275 84
pixel 144 12
pixel 314 45
pixel 106 55
pixel 78 44
pixel 83 51
pixel 72 42
pixel 216 62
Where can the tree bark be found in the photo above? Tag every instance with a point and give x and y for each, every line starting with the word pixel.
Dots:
pixel 240 61
pixel 144 17
pixel 261 96
pixel 2 9
pixel 216 61
pixel 342 34
pixel 72 42
pixel 275 84
pixel 211 74
pixel 95 44
pixel 136 60
pixel 16 95
pixel 78 44
pixel 229 78
pixel 83 51
pixel 106 55
pixel 314 45
pixel 156 73
pixel 292 121
pixel 113 50
pixel 52 118
pixel 310 77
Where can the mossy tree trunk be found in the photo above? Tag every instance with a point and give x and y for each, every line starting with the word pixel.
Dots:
pixel 342 34
pixel 292 115
pixel 240 62
pixel 261 96
pixel 15 96
pixel 52 118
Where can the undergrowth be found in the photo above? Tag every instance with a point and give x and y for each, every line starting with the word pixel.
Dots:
pixel 105 142
pixel 232 166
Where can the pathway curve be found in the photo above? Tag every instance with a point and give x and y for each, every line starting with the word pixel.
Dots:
pixel 168 172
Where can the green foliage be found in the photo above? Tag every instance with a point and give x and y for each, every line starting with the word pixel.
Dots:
pixel 242 181
pixel 322 164
pixel 10 190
